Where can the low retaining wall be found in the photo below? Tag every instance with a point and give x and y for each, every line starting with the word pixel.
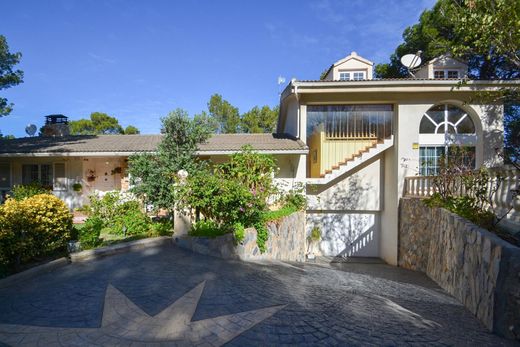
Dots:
pixel 481 270
pixel 286 242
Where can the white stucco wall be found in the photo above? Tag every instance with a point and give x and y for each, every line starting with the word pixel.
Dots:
pixel 348 212
pixel 291 118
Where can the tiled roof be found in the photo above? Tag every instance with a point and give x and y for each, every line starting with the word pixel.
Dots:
pixel 142 143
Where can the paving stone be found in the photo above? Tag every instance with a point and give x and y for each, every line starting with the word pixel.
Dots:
pixel 325 304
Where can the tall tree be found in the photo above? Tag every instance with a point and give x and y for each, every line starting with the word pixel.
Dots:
pixel 8 76
pixel 225 114
pixel 485 34
pixel 260 120
pixel 131 130
pixel 154 175
pixel 100 123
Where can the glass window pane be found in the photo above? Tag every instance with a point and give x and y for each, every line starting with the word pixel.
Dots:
pixel 29 173
pixel 5 175
pixel 453 74
pixel 60 181
pixel 46 175
pixel 466 126
pixel 426 126
pixel 438 74
pixel 455 114
pixel 436 113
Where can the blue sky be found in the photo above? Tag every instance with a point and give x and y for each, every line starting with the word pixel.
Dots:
pixel 138 60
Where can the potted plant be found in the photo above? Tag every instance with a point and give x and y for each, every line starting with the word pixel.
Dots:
pixel 77 187
pixel 91 175
pixel 313 239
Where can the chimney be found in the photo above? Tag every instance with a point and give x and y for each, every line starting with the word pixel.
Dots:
pixel 56 125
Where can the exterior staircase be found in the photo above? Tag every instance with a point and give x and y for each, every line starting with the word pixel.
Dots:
pixel 353 161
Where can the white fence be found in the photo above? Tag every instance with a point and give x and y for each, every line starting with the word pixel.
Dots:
pixel 505 200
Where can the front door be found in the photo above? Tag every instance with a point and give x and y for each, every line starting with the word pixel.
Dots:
pixel 105 180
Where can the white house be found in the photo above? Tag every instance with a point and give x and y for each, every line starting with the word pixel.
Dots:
pixel 350 139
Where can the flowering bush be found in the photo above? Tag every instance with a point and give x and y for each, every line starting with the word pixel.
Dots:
pixel 33 227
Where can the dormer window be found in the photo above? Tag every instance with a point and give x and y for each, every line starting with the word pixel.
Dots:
pixel 344 76
pixel 352 76
pixel 446 74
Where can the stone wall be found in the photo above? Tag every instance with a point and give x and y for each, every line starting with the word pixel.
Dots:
pixel 481 270
pixel 286 242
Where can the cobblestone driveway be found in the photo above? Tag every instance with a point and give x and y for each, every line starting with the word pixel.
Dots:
pixel 297 304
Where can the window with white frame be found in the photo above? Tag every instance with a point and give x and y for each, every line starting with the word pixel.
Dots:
pixel 351 75
pixel 447 132
pixel 37 173
pixel 444 73
pixel 344 76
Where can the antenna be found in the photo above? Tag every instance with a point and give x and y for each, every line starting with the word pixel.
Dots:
pixel 411 62
pixel 30 129
pixel 281 80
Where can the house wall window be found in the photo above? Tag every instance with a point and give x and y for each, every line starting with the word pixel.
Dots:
pixel 60 180
pixel 351 75
pixel 430 158
pixel 344 76
pixel 446 73
pixel 350 121
pixel 5 176
pixel 447 132
pixel 37 173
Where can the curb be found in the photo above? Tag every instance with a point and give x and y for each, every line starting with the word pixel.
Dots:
pixel 119 248
pixel 33 272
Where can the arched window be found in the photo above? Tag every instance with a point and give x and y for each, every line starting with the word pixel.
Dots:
pixel 443 130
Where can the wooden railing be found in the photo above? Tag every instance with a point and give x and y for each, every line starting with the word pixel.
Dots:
pixel 505 200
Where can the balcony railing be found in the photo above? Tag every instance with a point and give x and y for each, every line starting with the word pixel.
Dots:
pixel 505 200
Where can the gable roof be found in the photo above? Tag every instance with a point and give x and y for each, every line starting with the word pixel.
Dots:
pixel 352 55
pixel 108 145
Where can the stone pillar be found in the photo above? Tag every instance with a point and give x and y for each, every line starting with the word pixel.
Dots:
pixel 181 219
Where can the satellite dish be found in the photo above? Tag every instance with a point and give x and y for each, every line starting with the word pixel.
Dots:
pixel 31 129
pixel 411 61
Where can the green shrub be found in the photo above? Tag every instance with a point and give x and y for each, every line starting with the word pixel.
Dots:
pixel 295 198
pixel 207 228
pixel 161 227
pixel 90 232
pixel 23 191
pixel 315 234
pixel 131 222
pixel 239 232
pixel 34 227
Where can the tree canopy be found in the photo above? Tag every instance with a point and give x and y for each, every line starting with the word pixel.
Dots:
pixel 8 76
pixel 485 34
pixel 100 123
pixel 154 176
pixel 225 114
pixel 260 120
pixel 226 118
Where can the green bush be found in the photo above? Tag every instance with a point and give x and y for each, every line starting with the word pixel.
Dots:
pixel 32 228
pixel 22 191
pixel 239 232
pixel 90 232
pixel 231 194
pixel 161 227
pixel 131 222
pixel 207 228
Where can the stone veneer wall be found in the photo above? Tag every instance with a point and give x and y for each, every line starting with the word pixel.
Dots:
pixel 286 242
pixel 481 270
